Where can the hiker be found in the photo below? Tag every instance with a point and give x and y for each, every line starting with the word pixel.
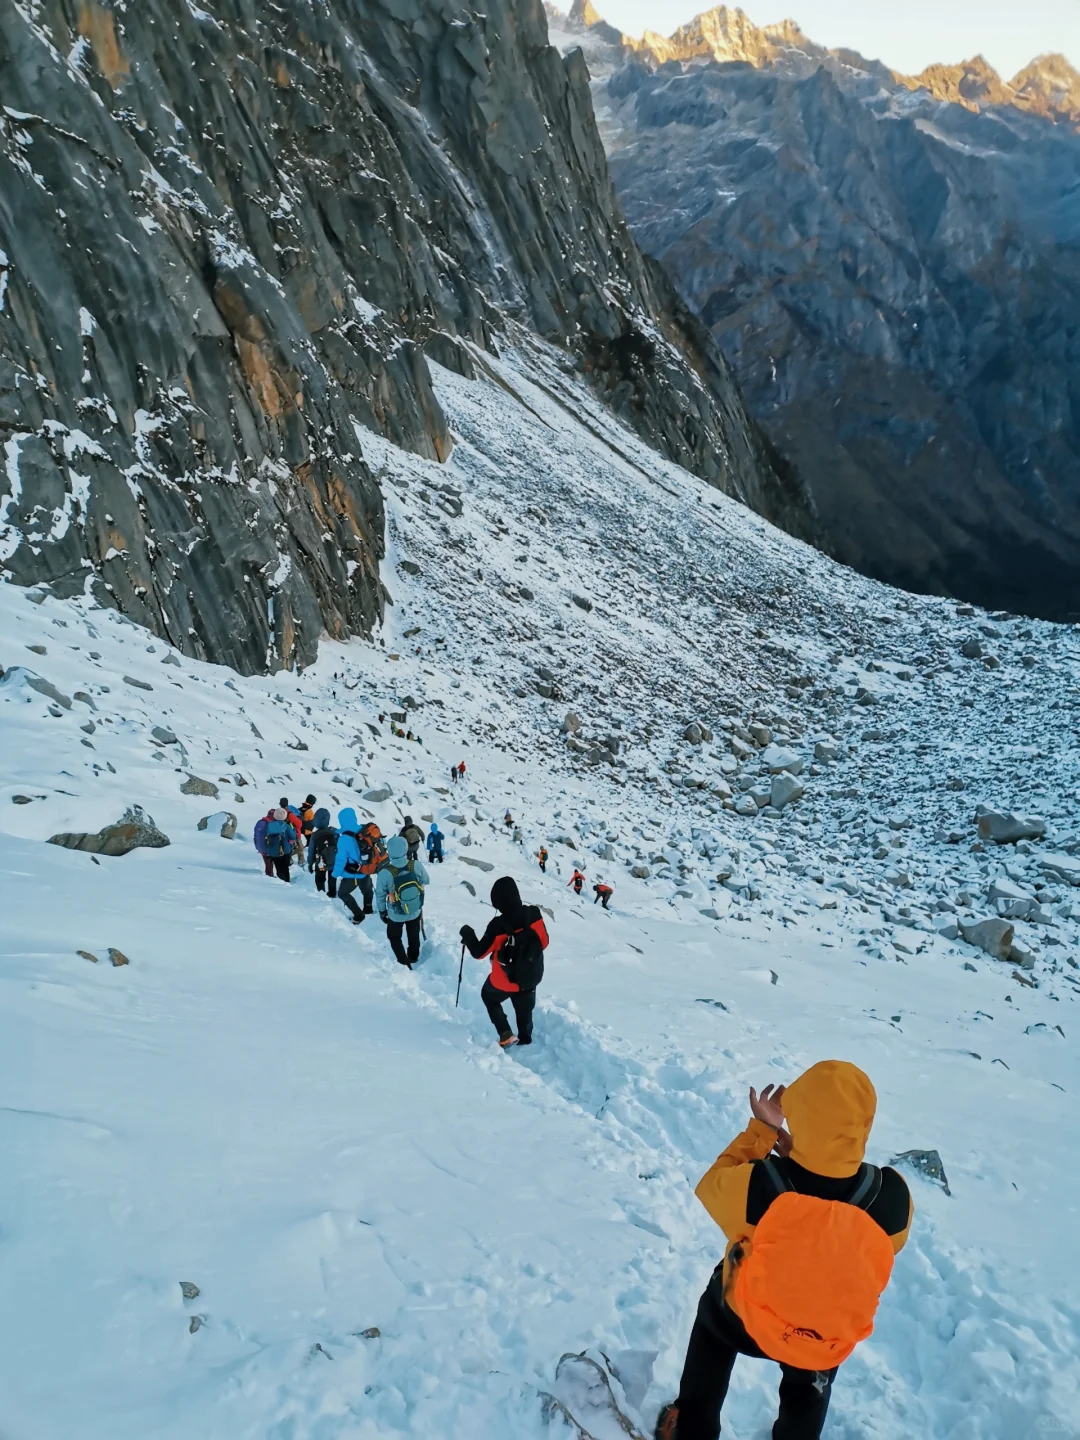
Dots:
pixel 542 857
pixel 519 838
pixel 435 844
pixel 577 879
pixel 307 818
pixel 399 895
pixel 461 770
pixel 515 940
pixel 347 869
pixel 297 824
pixel 413 836
pixel 603 893
pixel 275 840
pixel 508 820
pixel 321 852
pixel 453 774
pixel 812 1232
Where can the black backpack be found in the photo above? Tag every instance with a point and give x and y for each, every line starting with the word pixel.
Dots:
pixel 521 956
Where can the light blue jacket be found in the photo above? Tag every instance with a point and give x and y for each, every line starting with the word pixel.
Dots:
pixel 384 883
pixel 347 848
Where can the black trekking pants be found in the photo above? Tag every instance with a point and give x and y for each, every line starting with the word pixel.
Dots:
pixel 523 1001
pixel 393 934
pixel 278 865
pixel 348 884
pixel 717 1337
pixel 325 881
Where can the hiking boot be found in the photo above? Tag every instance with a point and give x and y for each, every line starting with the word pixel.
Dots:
pixel 667 1423
pixel 524 1039
pixel 506 1041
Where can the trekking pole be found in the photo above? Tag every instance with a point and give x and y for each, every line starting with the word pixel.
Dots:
pixel 460 973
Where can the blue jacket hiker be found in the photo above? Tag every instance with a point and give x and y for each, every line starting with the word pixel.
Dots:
pixel 399 896
pixel 348 866
pixel 435 844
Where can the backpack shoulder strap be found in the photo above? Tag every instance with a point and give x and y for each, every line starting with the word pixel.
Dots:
pixel 778 1181
pixel 867 1190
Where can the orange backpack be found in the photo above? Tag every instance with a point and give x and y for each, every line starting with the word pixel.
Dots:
pixel 807 1285
pixel 376 849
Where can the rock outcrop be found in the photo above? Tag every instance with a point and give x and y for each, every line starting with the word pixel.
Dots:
pixel 892 266
pixel 231 237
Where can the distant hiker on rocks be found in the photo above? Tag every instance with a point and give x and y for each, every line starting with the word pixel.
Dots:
pixel 515 940
pixel 275 840
pixel 321 852
pixel 542 858
pixel 413 836
pixel 453 774
pixel 577 880
pixel 461 770
pixel 603 894
pixel 399 895
pixel 307 818
pixel 435 844
pixel 508 820
pixel 812 1231
pixel 348 864
pixel 519 838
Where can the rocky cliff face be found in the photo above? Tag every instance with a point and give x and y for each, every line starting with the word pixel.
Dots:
pixel 896 279
pixel 231 235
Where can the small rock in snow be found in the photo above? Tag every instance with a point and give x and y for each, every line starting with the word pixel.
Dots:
pixel 376 797
pixel 926 1162
pixel 138 684
pixel 117 956
pixel 194 786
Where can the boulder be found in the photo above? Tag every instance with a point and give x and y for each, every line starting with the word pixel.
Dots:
pixel 692 734
pixel 19 675
pixel 117 956
pixel 640 872
pixel 480 864
pixel 223 823
pixel 572 723
pixel 777 758
pixel 994 935
pixel 582 602
pixel 133 830
pixel 785 790
pixel 760 734
pixel 972 649
pixel 746 805
pixel 194 786
pixel 138 684
pixel 826 750
pixel 1006 827
pixel 163 736
pixel 926 1162
pixel 376 797
pixel 1061 867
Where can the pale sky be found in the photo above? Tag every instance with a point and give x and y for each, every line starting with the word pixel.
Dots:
pixel 907 36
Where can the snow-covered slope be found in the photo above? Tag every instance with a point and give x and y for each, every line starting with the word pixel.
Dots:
pixel 262 1104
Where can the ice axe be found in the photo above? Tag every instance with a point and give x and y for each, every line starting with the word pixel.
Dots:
pixel 460 973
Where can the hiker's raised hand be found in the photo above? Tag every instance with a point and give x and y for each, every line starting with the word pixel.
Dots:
pixel 766 1106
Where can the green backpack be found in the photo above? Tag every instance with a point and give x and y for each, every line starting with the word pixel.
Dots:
pixel 408 894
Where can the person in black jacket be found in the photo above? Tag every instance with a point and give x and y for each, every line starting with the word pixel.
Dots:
pixel 513 917
pixel 321 852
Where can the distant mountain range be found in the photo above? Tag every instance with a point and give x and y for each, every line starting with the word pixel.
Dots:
pixel 892 264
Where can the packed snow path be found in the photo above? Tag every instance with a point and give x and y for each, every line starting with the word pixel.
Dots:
pixel 263 1105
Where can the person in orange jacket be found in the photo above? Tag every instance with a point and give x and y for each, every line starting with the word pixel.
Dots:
pixel 811 1238
pixel 603 894
pixel 577 880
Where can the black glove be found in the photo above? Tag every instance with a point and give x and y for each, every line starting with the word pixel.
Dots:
pixel 467 933
pixel 384 917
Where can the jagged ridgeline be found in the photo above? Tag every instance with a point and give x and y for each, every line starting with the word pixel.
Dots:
pixel 231 236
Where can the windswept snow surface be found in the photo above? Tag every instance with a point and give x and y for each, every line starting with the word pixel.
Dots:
pixel 263 1104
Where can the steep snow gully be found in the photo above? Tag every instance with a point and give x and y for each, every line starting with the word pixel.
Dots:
pixel 262 1182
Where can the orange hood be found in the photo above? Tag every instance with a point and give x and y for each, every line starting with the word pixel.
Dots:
pixel 829 1111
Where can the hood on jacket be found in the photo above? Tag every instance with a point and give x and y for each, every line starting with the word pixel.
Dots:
pixel 406 821
pixel 830 1109
pixel 310 800
pixel 281 814
pixel 397 850
pixel 505 895
pixel 347 819
pixel 434 829
pixel 322 819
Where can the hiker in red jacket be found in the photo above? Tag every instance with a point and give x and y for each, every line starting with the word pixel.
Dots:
pixel 515 940
pixel 603 894
pixel 577 880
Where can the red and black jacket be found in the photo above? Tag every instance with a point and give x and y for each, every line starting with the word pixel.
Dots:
pixel 522 917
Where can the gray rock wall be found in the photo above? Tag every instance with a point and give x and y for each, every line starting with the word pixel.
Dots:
pixel 231 233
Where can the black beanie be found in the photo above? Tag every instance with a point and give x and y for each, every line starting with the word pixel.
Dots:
pixel 505 895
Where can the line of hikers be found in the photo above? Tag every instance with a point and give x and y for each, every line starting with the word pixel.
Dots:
pixel 811 1228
